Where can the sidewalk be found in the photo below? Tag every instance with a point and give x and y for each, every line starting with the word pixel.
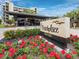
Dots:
pixel 1 36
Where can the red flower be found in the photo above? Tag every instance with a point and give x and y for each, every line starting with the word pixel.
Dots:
pixel 63 51
pixel 74 52
pixel 8 43
pixel 42 45
pixel 19 57
pixel 30 37
pixel 52 54
pixel 68 56
pixel 46 43
pixel 1 55
pixel 45 50
pixel 24 56
pixel 41 50
pixel 22 44
pixel 57 56
pixel 37 37
pixel 32 46
pixel 71 35
pixel 31 42
pixel 74 37
pixel 52 46
pixel 35 44
pixel 12 52
pixel 3 50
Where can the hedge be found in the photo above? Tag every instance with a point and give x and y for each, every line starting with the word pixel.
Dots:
pixel 12 34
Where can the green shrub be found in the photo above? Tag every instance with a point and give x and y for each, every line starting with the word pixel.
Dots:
pixel 29 57
pixel 20 52
pixel 42 57
pixel 0 50
pixel 19 33
pixel 2 46
pixel 26 50
pixel 35 51
pixel 77 46
pixel 11 34
pixel 35 32
pixel 28 33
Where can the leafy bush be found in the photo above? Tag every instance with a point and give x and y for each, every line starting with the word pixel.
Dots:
pixel 29 57
pixel 77 46
pixel 42 57
pixel 26 50
pixel 2 46
pixel 11 34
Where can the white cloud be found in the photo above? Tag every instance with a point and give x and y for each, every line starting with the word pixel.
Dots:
pixel 58 10
pixel 41 9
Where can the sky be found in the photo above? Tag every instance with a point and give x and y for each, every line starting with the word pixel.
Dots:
pixel 47 7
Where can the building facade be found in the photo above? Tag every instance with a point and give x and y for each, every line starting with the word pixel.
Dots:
pixel 9 7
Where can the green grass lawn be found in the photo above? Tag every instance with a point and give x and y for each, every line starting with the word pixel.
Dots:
pixel 2 26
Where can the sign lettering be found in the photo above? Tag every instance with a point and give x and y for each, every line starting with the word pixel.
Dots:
pixel 50 29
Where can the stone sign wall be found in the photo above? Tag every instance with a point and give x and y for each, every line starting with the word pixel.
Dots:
pixel 59 27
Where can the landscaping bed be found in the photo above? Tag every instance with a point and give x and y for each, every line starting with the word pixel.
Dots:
pixel 34 47
pixel 28 44
pixel 74 40
pixel 14 34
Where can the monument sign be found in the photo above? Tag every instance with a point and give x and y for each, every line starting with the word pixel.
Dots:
pixel 59 27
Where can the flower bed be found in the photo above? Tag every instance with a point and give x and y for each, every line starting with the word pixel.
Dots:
pixel 33 48
pixel 75 41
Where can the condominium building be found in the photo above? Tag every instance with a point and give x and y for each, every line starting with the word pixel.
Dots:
pixel 25 10
pixel 9 6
